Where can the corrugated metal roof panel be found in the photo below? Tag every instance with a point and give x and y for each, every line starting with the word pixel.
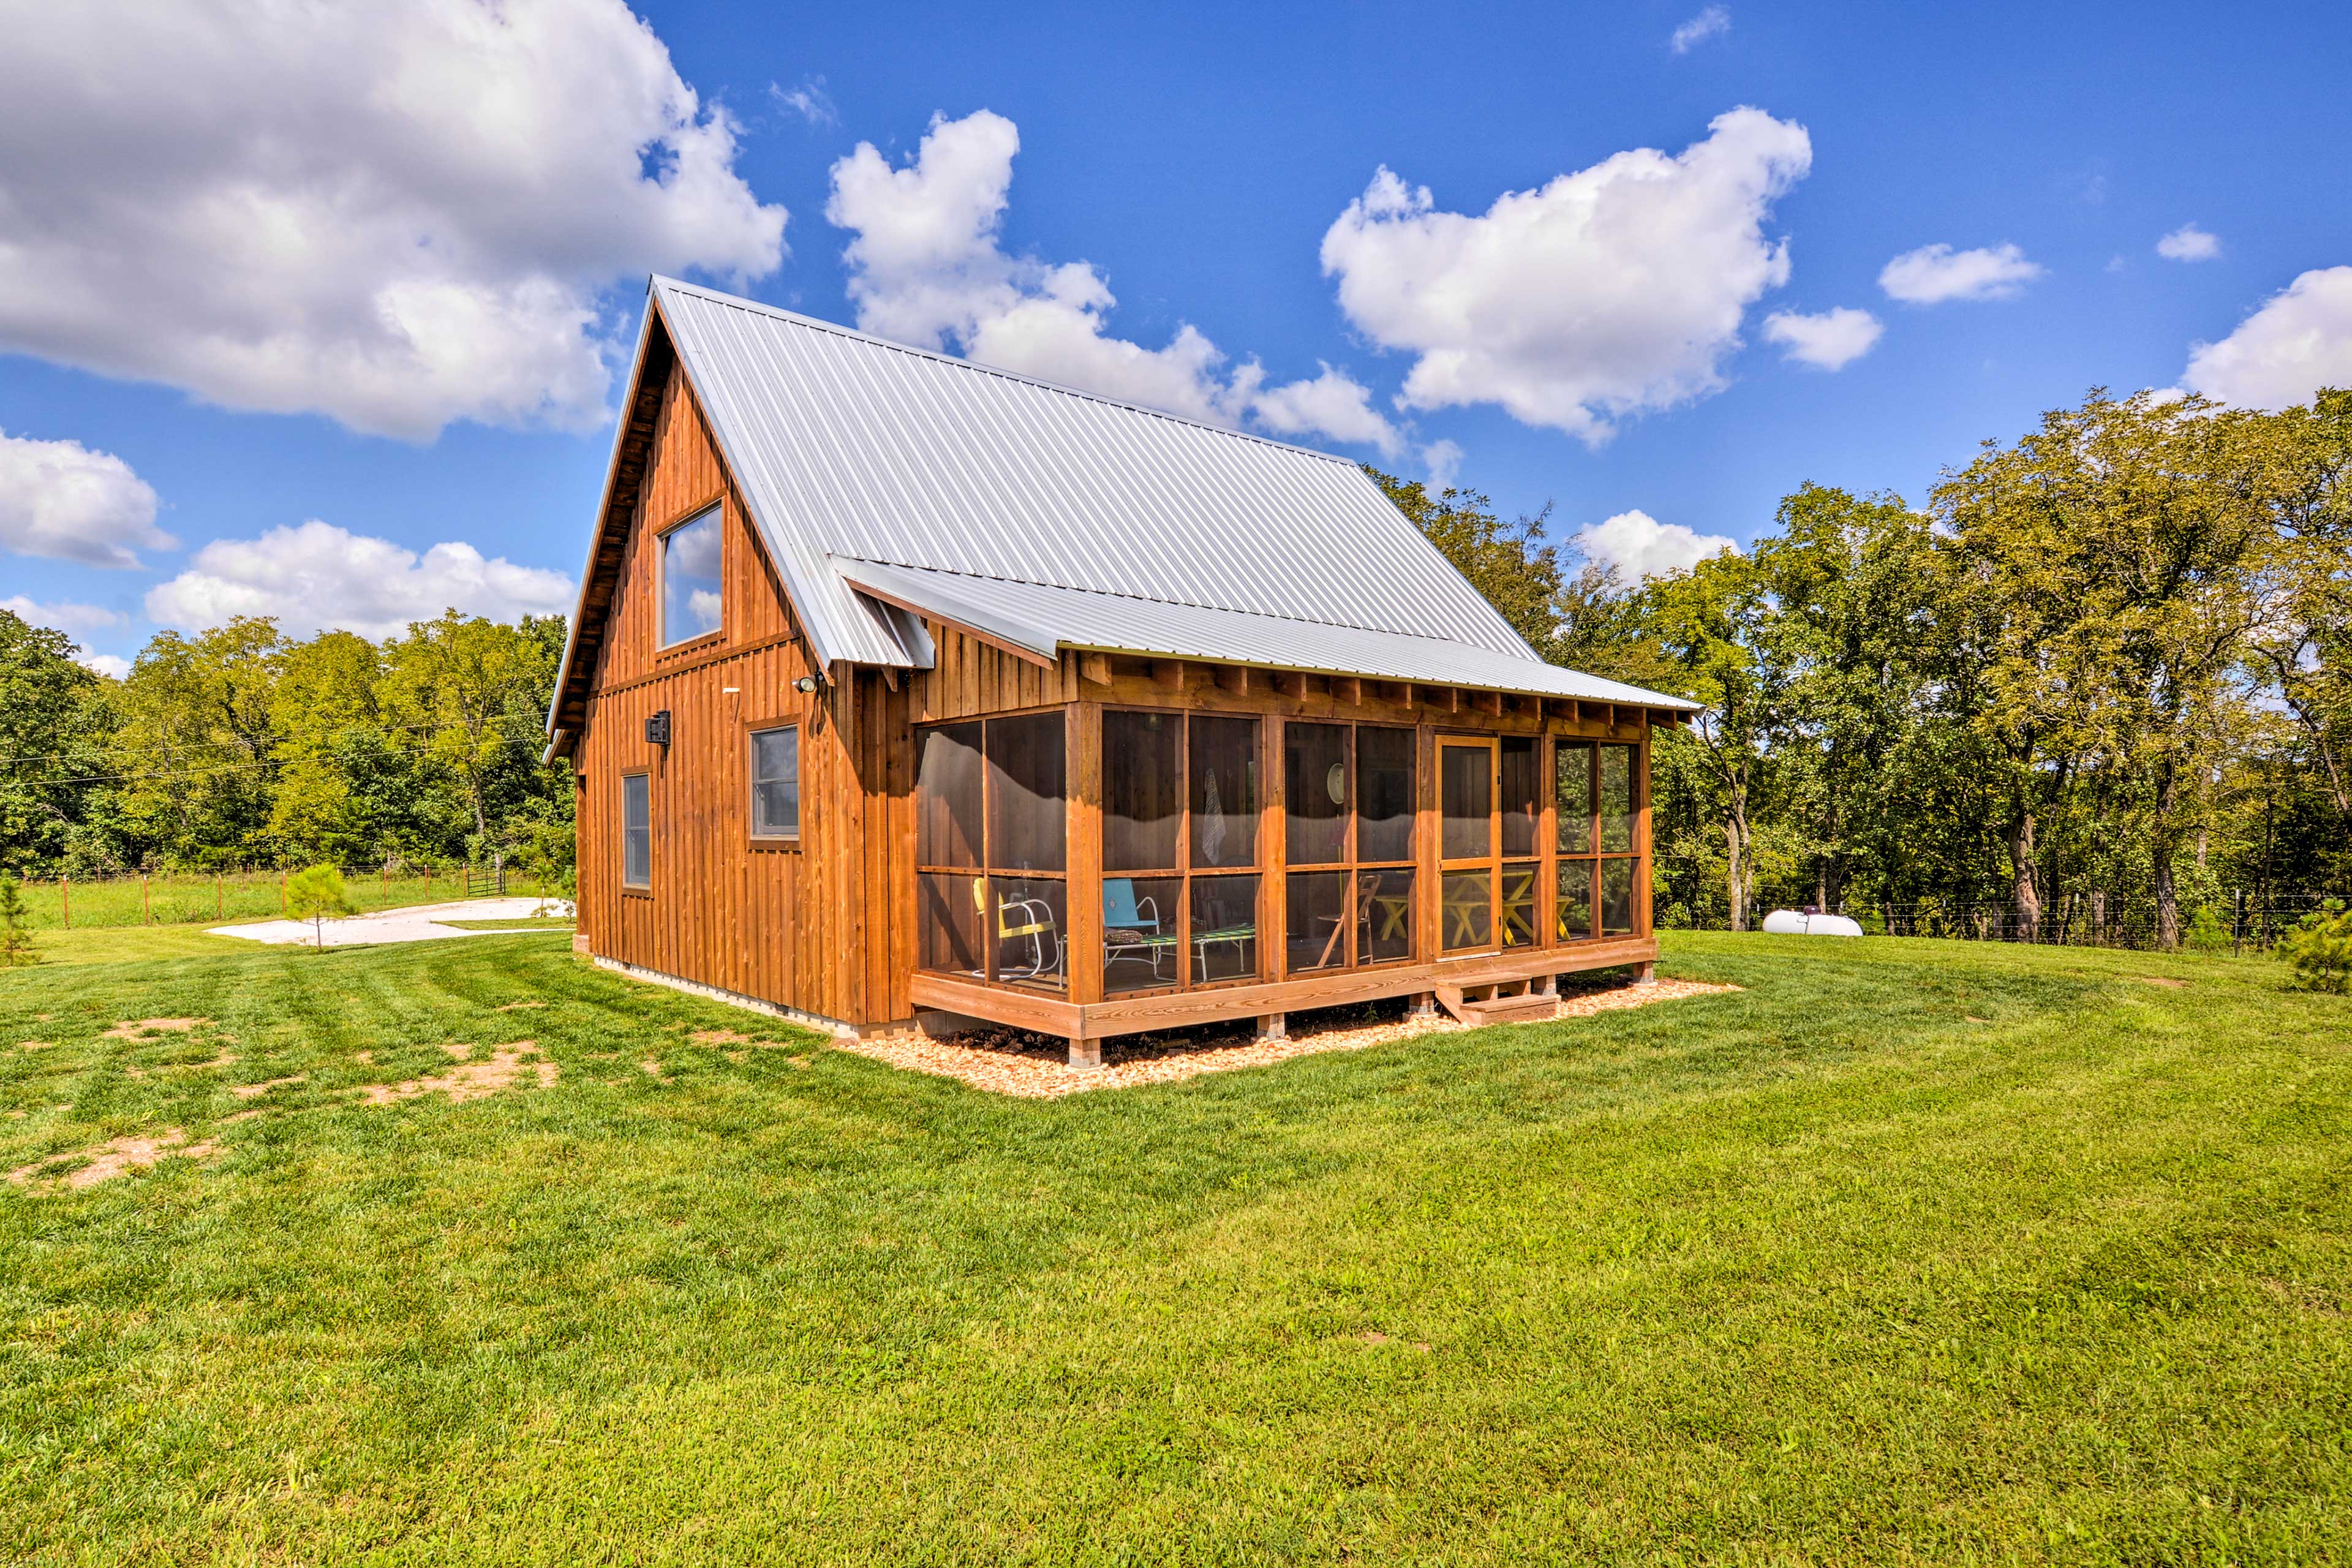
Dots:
pixel 849 445
pixel 1046 619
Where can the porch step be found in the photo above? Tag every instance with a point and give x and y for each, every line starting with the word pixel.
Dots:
pixel 1475 1011
pixel 1512 1009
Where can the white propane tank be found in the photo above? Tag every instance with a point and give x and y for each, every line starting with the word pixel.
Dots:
pixel 1796 922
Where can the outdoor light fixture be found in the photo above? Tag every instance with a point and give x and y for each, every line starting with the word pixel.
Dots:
pixel 805 685
pixel 657 729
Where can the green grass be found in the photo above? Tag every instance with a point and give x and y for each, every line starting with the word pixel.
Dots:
pixel 174 900
pixel 524 922
pixel 1823 1271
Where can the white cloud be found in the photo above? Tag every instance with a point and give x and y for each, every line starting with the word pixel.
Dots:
pixel 1443 460
pixel 2189 243
pixel 1935 273
pixel 1711 23
pixel 1331 405
pixel 62 501
pixel 398 214
pixel 1610 291
pixel 926 266
pixel 318 576
pixel 1831 341
pixel 809 100
pixel 1638 545
pixel 73 619
pixel 114 666
pixel 2298 341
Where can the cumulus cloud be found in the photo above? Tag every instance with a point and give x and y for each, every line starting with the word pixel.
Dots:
pixel 1711 23
pixel 62 501
pixel 928 266
pixel 2189 243
pixel 1935 273
pixel 1638 545
pixel 319 577
pixel 1831 341
pixel 1610 291
pixel 1443 460
pixel 72 619
pixel 2298 341
pixel 114 666
pixel 397 215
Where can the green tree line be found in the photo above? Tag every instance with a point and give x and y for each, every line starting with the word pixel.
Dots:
pixel 2107 664
pixel 242 746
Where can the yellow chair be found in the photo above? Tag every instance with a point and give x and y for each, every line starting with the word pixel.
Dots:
pixel 1040 927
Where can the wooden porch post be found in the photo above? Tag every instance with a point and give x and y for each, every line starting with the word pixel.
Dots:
pixel 1273 1026
pixel 1083 733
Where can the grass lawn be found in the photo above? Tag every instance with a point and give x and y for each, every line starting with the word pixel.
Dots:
pixel 518 922
pixel 168 900
pixel 1911 1250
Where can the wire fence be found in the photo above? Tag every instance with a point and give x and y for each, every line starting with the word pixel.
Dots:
pixel 248 893
pixel 2241 922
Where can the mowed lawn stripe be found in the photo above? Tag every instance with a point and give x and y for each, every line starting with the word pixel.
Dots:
pixel 1825 1268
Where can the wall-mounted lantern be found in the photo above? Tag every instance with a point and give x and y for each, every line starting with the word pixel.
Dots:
pixel 657 730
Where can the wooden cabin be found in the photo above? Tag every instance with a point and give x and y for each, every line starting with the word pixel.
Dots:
pixel 905 691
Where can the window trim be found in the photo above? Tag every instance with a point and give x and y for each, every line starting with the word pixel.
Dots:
pixel 716 508
pixel 644 889
pixel 752 730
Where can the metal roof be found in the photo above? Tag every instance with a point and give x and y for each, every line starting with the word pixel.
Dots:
pixel 1045 620
pixel 1082 520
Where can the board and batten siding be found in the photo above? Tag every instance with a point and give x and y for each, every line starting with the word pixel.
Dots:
pixel 817 926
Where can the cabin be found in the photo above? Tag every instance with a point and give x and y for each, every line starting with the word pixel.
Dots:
pixel 906 692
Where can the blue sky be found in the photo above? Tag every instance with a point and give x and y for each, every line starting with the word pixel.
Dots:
pixel 200 285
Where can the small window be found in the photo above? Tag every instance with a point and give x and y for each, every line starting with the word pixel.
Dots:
pixel 776 782
pixel 636 831
pixel 690 578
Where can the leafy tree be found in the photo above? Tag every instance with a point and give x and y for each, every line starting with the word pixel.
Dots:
pixel 198 744
pixel 473 693
pixel 1506 562
pixel 15 935
pixel 314 893
pixel 54 722
pixel 2320 949
pixel 325 695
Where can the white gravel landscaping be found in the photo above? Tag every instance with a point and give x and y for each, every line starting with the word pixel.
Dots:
pixel 418 922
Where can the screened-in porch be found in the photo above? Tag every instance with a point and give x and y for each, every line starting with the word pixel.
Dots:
pixel 1093 868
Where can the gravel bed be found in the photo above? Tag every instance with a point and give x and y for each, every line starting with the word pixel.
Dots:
pixel 1037 1066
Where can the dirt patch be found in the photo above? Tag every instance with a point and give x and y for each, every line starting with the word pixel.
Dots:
pixel 652 1070
pixel 37 1045
pixel 256 1090
pixel 142 1030
pixel 2164 979
pixel 115 1157
pixel 1037 1066
pixel 2303 1298
pixel 366 1058
pixel 517 1006
pixel 722 1038
pixel 505 1067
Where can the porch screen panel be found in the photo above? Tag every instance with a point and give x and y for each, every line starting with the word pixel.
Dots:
pixel 1384 793
pixel 1222 766
pixel 1026 793
pixel 1616 800
pixel 1572 766
pixel 991 900
pixel 1384 914
pixel 1522 799
pixel 1142 935
pixel 1467 900
pixel 1617 896
pixel 1315 792
pixel 1575 907
pixel 1142 792
pixel 1224 928
pixel 1466 802
pixel 947 797
pixel 1315 904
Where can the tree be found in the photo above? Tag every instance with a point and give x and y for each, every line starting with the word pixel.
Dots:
pixel 198 744
pixel 16 936
pixel 325 694
pixel 314 893
pixel 473 693
pixel 54 724
pixel 1507 561
pixel 1708 622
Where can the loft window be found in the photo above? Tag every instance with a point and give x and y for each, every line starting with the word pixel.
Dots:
pixel 690 578
pixel 636 831
pixel 776 782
